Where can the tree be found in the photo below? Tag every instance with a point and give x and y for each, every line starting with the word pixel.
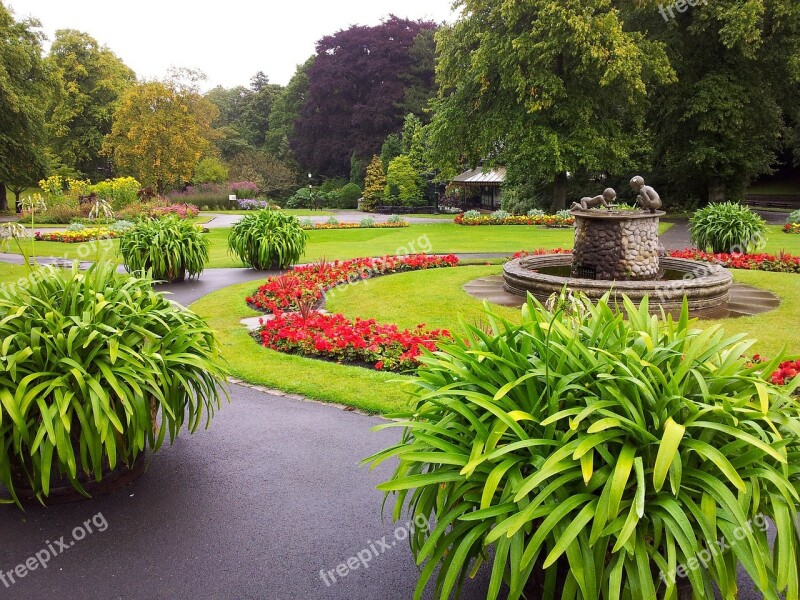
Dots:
pixel 79 115
pixel 356 87
pixel 210 170
pixel 544 87
pixel 160 132
pixel 25 86
pixel 420 79
pixel 272 176
pixel 403 177
pixel 723 124
pixel 285 112
pixel 374 184
pixel 392 148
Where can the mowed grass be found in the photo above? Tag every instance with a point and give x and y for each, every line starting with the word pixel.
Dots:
pixel 778 241
pixel 12 273
pixel 435 298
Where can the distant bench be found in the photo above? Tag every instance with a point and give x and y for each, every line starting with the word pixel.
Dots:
pixel 768 201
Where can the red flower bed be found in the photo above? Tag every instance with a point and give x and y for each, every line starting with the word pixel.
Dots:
pixel 786 372
pixel 310 282
pixel 334 337
pixel 541 251
pixel 782 263
pixel 791 228
pixel 184 211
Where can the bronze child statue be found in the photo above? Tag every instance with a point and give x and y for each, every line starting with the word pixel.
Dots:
pixel 648 198
pixel 604 200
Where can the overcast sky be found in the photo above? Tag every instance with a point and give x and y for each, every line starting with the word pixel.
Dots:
pixel 230 41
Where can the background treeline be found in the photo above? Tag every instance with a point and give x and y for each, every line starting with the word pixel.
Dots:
pixel 566 95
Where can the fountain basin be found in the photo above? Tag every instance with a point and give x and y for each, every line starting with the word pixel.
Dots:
pixel 706 286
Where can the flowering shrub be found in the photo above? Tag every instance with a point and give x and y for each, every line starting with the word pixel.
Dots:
pixel 77 237
pixel 384 347
pixel 246 189
pixel 310 282
pixel 791 228
pixel 782 263
pixel 786 372
pixel 309 224
pixel 250 204
pixel 183 211
pixel 540 251
pixel 557 220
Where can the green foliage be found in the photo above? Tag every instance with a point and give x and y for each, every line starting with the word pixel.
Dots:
pixel 119 192
pixel 374 184
pixel 392 148
pixel 366 222
pixel 267 239
pixel 395 219
pixel 794 217
pixel 593 450
pixel 273 176
pixel 302 198
pixel 285 111
pixel 103 367
pixel 348 196
pixel 358 170
pixel 727 227
pixel 210 170
pixel 167 248
pixel 79 115
pixel 404 177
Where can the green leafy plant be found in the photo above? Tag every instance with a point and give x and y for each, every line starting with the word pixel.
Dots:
pixel 267 239
pixel 794 217
pixel 395 219
pixel 97 367
pixel 597 452
pixel 727 227
pixel 366 222
pixel 167 247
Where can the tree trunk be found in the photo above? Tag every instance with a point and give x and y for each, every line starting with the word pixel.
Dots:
pixel 17 200
pixel 560 192
pixel 716 189
pixel 3 198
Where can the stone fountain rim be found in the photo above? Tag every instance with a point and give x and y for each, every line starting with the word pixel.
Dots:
pixel 616 215
pixel 711 274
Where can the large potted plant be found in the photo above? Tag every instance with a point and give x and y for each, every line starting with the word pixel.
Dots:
pixel 601 455
pixel 267 239
pixel 166 247
pixel 95 367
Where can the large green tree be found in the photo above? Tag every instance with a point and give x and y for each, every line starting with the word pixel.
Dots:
pixel 544 87
pixel 161 131
pixel 725 122
pixel 285 112
pixel 80 114
pixel 25 86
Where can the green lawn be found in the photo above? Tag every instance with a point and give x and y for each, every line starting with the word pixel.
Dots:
pixel 435 298
pixel 12 273
pixel 777 240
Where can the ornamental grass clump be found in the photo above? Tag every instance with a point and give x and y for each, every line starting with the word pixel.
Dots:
pixel 727 227
pixel 601 455
pixel 168 248
pixel 267 239
pixel 96 367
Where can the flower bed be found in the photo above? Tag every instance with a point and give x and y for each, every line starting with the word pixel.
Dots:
pixel 334 337
pixel 787 371
pixel 184 211
pixel 384 225
pixel 309 282
pixel 77 237
pixel 544 220
pixel 791 228
pixel 780 263
pixel 250 204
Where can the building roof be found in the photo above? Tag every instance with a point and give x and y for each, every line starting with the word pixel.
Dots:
pixel 479 176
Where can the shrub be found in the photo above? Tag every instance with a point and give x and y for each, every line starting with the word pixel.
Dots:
pixel 366 222
pixel 267 239
pixel 332 221
pixel 395 219
pixel 57 215
pixel 593 450
pixel 183 211
pixel 517 202
pixel 120 225
pixel 302 198
pixel 374 185
pixel 119 192
pixel 727 227
pixel 76 227
pixel 348 196
pixel 306 222
pixel 134 371
pixel 244 189
pixel 500 215
pixel 536 212
pixel 210 170
pixel 472 214
pixel 168 248
pixel 794 217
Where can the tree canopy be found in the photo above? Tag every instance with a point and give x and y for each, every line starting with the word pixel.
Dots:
pixel 81 110
pixel 357 86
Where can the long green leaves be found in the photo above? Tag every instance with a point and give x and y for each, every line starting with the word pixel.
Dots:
pixel 94 367
pixel 167 247
pixel 267 239
pixel 621 447
pixel 727 227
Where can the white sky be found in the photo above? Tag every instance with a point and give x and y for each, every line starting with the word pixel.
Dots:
pixel 228 40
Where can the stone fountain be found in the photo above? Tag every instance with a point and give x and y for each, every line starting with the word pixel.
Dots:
pixel 618 252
